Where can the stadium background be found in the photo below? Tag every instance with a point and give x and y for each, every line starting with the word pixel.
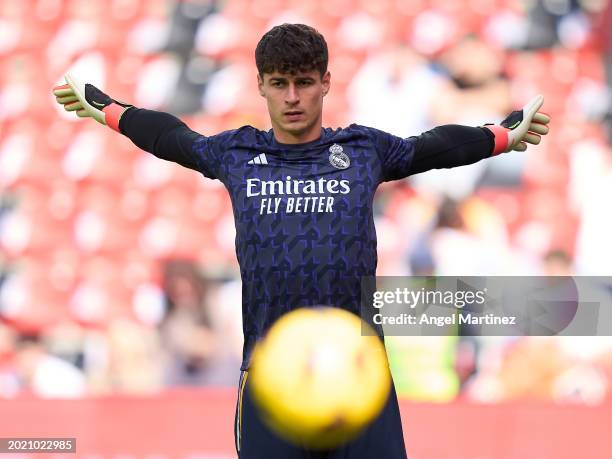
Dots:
pixel 119 299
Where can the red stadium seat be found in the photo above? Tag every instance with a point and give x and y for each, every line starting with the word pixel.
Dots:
pixel 29 301
pixel 35 225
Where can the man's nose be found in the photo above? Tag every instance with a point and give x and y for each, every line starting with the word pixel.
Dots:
pixel 292 97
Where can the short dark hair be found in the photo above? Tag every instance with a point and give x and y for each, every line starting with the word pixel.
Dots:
pixel 291 48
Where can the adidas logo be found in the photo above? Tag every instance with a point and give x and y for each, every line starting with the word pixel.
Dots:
pixel 259 159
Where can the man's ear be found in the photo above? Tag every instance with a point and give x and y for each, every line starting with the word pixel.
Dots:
pixel 260 85
pixel 326 82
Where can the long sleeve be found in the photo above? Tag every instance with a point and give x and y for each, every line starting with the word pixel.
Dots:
pixel 161 134
pixel 450 146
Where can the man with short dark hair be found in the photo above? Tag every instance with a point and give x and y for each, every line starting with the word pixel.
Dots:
pixel 302 199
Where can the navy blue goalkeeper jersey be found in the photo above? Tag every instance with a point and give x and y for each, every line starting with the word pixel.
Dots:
pixel 304 226
pixel 305 231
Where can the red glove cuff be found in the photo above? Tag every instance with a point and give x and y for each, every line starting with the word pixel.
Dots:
pixel 500 134
pixel 112 114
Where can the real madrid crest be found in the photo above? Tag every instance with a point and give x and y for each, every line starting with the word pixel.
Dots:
pixel 338 158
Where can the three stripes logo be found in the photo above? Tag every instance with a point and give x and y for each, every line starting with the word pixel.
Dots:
pixel 259 159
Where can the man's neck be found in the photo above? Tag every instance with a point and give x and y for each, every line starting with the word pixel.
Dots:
pixel 285 137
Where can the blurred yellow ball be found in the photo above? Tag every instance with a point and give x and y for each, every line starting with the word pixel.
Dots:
pixel 318 381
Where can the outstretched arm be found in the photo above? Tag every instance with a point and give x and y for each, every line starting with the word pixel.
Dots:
pixel 453 145
pixel 161 134
pixel 449 146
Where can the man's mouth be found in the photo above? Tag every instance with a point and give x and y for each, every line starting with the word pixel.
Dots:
pixel 293 115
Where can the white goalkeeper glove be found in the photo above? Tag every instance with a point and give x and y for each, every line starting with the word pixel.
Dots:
pixel 89 101
pixel 521 127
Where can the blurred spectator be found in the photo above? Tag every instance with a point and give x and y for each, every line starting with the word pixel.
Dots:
pixel 195 349
pixel 133 364
pixel 456 250
pixel 544 368
pixel 195 70
pixel 475 91
pixel 557 263
pixel 564 369
pixel 590 180
pixel 423 367
pixel 605 35
pixel 46 375
pixel 549 21
pixel 393 91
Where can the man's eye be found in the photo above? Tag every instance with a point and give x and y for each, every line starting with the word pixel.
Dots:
pixel 277 84
pixel 304 83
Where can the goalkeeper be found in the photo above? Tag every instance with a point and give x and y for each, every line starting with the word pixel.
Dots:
pixel 302 200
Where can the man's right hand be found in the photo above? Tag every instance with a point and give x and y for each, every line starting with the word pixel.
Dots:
pixel 89 101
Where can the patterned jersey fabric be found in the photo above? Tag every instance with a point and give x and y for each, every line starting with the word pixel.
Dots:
pixel 304 225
